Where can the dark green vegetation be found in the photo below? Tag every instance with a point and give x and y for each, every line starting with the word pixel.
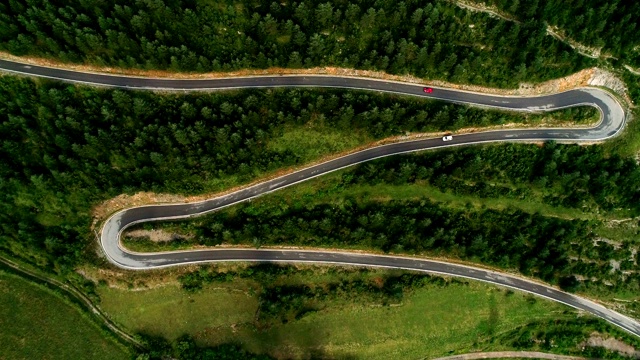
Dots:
pixel 67 148
pixel 186 348
pixel 359 208
pixel 611 25
pixel 37 323
pixel 434 39
pixel 512 239
pixel 581 177
pixel 313 312
pixel 552 336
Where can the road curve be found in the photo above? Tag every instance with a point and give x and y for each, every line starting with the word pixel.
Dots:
pixel 611 123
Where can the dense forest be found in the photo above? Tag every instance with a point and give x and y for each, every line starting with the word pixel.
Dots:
pixel 568 176
pixel 68 147
pixel 608 24
pixel 533 244
pixel 548 248
pixel 433 39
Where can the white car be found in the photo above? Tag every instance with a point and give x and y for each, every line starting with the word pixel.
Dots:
pixel 447 138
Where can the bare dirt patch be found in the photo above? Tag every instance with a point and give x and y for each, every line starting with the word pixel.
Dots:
pixel 596 340
pixel 122 201
pixel 632 70
pixel 616 244
pixel 617 222
pixel 604 78
pixel 481 7
pixel 592 52
pixel 569 82
pixel 155 235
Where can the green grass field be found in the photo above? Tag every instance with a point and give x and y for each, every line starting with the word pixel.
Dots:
pixel 36 323
pixel 170 312
pixel 312 142
pixel 428 322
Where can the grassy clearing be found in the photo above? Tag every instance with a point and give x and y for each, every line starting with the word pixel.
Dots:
pixel 386 192
pixel 36 323
pixel 415 191
pixel 145 311
pixel 428 322
pixel 310 143
pixel 623 231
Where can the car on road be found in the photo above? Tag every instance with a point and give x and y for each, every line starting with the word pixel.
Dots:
pixel 447 138
pixel 428 90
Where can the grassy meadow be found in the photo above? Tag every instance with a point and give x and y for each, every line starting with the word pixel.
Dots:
pixel 36 323
pixel 426 322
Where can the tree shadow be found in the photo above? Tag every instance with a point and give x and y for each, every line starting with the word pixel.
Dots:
pixel 186 348
pixel 489 325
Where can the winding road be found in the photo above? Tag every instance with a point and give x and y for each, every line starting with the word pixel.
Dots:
pixel 611 123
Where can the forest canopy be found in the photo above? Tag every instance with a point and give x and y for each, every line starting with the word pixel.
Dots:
pixel 608 24
pixel 434 39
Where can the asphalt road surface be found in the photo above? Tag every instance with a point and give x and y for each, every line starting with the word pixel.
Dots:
pixel 611 123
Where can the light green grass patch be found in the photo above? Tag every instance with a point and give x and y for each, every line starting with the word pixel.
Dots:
pixel 36 323
pixel 170 312
pixel 324 190
pixel 385 192
pixel 313 142
pixel 430 322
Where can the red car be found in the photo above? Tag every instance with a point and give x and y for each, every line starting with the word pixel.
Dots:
pixel 428 90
